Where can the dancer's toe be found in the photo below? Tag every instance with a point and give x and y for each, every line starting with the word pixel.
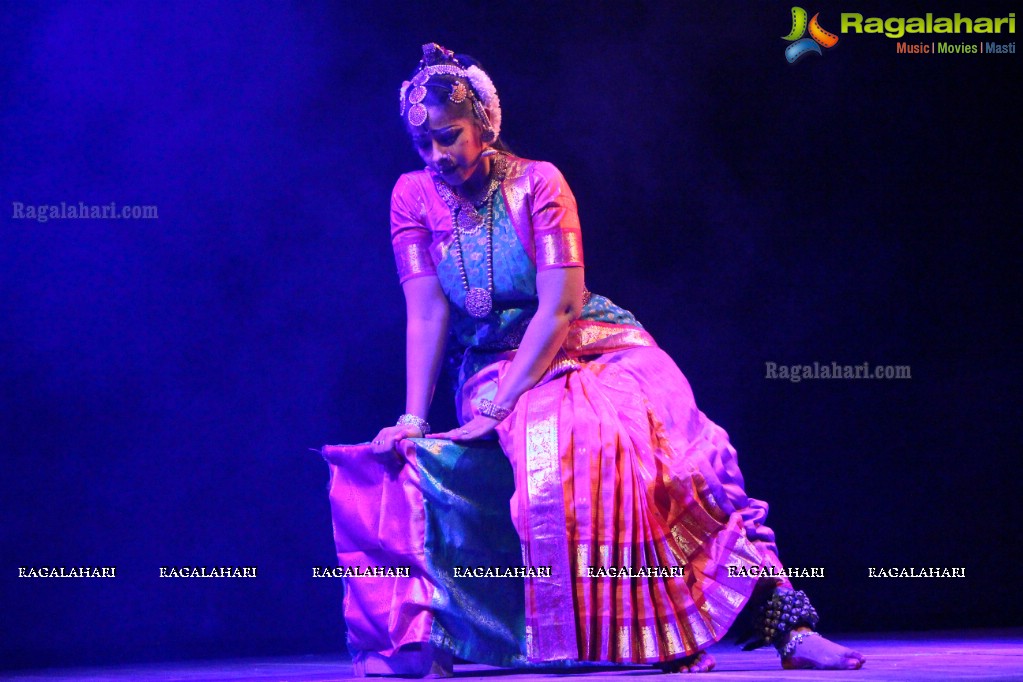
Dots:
pixel 700 662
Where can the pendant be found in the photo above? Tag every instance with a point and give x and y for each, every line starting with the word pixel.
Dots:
pixel 478 302
pixel 469 221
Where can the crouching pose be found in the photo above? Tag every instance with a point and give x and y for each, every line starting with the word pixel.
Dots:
pixel 616 472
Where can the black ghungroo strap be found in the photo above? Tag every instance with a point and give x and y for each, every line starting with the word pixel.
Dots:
pixel 786 610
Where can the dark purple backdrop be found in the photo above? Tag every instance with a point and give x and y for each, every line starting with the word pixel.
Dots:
pixel 164 380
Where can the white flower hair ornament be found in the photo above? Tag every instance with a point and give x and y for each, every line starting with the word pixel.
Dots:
pixel 484 87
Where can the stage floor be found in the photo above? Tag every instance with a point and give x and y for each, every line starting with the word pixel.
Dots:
pixel 969 655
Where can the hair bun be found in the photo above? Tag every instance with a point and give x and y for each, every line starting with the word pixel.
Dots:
pixel 434 54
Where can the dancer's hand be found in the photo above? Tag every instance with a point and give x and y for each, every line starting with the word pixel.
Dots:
pixel 389 437
pixel 479 427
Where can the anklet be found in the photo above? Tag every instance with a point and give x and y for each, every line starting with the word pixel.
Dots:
pixel 786 610
pixel 798 637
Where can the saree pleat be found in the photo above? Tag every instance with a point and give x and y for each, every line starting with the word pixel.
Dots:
pixel 641 479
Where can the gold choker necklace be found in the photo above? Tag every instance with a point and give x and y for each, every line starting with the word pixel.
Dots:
pixel 467 215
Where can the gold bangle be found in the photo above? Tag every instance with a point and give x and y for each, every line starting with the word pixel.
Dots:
pixel 413 420
pixel 489 409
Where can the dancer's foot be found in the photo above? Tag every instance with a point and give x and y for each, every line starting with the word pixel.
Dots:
pixel 818 653
pixel 700 662
pixel 412 660
pixel 440 669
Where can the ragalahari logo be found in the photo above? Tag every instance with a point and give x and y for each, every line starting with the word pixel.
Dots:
pixel 801 46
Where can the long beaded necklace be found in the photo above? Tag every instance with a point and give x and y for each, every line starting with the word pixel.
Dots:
pixel 466 217
pixel 478 301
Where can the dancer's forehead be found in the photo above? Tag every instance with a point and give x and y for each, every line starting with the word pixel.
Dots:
pixel 441 119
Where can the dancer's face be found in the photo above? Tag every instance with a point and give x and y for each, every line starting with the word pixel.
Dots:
pixel 450 143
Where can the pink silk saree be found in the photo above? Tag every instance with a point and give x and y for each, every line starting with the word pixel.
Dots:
pixel 614 470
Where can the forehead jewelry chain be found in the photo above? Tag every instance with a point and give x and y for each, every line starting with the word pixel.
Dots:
pixel 478 301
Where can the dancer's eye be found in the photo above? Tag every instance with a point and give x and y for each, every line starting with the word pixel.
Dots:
pixel 448 138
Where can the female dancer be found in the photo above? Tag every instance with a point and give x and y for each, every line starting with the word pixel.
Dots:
pixel 615 467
